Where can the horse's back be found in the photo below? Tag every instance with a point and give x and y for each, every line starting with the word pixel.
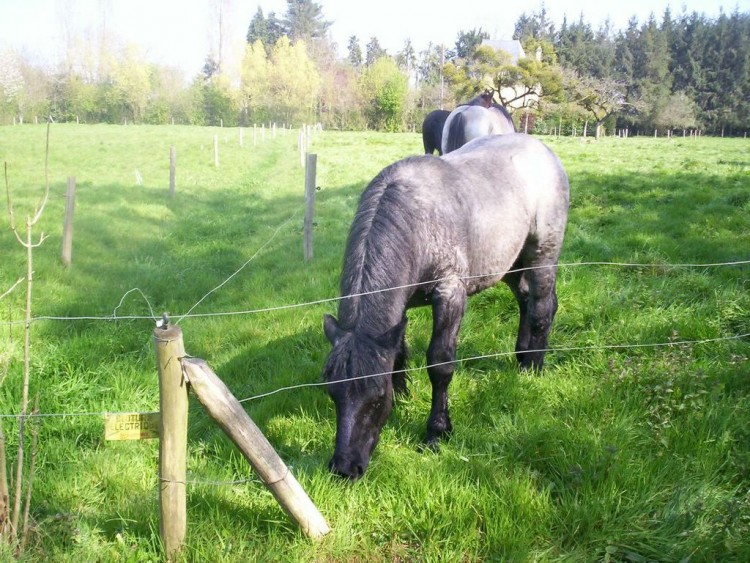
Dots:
pixel 472 211
pixel 466 123
pixel 525 173
pixel 516 162
pixel 494 172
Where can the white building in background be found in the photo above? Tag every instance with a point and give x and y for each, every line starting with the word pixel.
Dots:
pixel 514 48
pixel 511 46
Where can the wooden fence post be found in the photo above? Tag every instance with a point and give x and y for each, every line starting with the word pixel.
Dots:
pixel 67 239
pixel 172 170
pixel 173 403
pixel 228 412
pixel 310 170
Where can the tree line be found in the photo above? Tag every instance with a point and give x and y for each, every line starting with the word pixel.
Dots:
pixel 675 72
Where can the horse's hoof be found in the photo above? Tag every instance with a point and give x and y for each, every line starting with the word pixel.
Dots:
pixel 429 446
pixel 400 387
pixel 529 365
pixel 432 441
pixel 400 392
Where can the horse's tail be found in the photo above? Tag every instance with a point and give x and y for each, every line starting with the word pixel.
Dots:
pixel 456 133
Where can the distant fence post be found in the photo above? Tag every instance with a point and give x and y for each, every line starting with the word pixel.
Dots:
pixel 173 404
pixel 172 170
pixel 225 409
pixel 67 239
pixel 310 166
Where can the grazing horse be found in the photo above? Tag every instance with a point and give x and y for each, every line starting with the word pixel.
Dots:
pixel 432 130
pixel 433 231
pixel 479 117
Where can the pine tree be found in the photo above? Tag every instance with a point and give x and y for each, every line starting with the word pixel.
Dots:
pixel 304 21
pixel 258 29
pixel 355 52
pixel 374 51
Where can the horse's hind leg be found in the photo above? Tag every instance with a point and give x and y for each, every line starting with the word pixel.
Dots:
pixel 535 292
pixel 448 304
pixel 519 285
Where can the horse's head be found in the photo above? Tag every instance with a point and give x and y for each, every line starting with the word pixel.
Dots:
pixel 487 97
pixel 358 373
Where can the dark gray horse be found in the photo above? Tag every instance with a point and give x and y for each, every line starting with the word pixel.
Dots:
pixel 432 130
pixel 479 117
pixel 432 231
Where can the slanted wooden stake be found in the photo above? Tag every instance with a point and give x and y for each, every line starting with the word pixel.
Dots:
pixel 173 403
pixel 227 411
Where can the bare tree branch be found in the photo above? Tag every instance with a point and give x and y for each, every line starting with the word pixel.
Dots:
pixel 10 200
pixel 11 288
pixel 43 202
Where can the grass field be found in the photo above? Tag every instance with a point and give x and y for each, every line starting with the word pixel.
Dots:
pixel 633 445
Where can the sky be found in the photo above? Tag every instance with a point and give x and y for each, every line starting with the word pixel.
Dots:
pixel 182 32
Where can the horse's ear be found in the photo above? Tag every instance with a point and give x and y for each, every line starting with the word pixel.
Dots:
pixel 332 329
pixel 392 337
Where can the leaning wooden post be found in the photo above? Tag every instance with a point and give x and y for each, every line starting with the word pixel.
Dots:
pixel 173 404
pixel 310 166
pixel 67 239
pixel 226 410
pixel 172 170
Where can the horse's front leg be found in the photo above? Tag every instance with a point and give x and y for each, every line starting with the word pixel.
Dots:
pixel 399 366
pixel 448 305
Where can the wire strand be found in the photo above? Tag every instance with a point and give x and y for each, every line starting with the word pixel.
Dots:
pixel 498 355
pixel 416 368
pixel 382 290
pixel 227 280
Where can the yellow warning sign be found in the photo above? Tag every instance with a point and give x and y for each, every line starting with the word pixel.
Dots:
pixel 131 426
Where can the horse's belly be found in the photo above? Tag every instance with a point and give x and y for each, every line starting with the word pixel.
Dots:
pixel 497 236
pixel 488 273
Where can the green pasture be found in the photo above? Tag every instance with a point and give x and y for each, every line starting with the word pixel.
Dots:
pixel 633 445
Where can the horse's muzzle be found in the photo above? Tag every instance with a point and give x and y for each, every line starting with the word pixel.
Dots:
pixel 351 469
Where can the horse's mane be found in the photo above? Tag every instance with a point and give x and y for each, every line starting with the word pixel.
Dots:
pixel 506 114
pixel 376 250
pixel 484 99
pixel 352 359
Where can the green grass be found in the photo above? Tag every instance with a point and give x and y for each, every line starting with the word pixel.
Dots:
pixel 613 454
